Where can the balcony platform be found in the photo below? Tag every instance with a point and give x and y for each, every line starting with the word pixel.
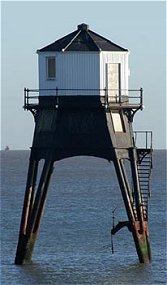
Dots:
pixel 33 100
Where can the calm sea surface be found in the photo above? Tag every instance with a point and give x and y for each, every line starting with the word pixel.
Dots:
pixel 74 242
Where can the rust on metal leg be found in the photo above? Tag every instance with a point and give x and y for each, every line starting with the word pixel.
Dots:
pixel 27 208
pixel 32 211
pixel 142 243
pixel 136 224
pixel 38 208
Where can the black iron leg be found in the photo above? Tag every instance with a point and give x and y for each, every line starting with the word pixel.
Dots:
pixel 32 210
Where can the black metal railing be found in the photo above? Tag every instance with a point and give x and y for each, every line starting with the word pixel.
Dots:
pixel 143 139
pixel 132 97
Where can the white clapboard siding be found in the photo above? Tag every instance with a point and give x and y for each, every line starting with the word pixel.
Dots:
pixel 74 70
pixel 82 70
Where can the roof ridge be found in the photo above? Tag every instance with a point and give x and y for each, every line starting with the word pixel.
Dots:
pixel 57 41
pixel 108 40
pixel 63 49
pixel 94 41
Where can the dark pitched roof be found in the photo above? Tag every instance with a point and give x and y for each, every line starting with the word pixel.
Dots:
pixel 82 39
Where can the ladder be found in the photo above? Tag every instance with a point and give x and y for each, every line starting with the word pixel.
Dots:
pixel 144 171
pixel 144 167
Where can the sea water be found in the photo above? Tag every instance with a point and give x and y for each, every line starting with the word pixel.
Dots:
pixel 74 241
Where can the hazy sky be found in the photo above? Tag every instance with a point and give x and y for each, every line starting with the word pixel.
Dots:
pixel 28 26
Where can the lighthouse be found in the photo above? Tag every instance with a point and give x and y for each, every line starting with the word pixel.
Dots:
pixel 84 106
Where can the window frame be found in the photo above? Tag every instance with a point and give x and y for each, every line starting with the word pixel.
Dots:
pixel 49 72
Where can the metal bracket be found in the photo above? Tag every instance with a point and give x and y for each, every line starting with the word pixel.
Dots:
pixel 130 114
pixel 34 112
pixel 142 153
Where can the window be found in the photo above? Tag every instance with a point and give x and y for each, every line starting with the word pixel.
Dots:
pixel 51 68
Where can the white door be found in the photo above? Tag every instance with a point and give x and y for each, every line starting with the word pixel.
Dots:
pixel 113 81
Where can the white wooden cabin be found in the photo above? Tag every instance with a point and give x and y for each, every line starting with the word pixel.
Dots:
pixel 83 63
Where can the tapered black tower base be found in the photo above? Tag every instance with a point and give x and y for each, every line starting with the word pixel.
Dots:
pixel 71 126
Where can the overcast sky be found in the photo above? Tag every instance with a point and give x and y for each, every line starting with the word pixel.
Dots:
pixel 28 26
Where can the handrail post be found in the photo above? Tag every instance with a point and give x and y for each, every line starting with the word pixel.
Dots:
pixel 27 91
pixel 57 91
pixel 119 94
pixel 57 100
pixel 105 97
pixel 146 139
pixel 24 97
pixel 141 98
pixel 151 139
